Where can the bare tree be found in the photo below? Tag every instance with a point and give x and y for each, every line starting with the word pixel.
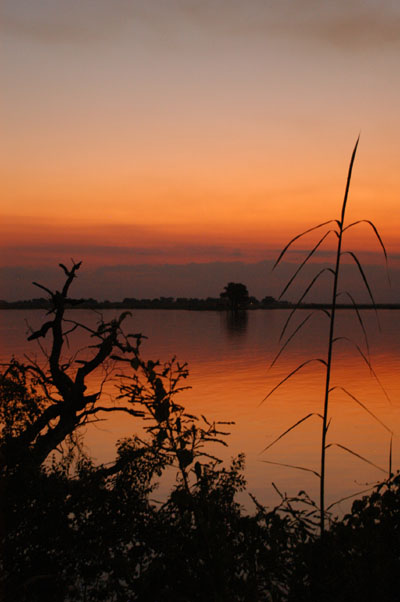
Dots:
pixel 42 406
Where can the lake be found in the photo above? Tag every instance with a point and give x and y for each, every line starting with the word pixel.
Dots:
pixel 229 363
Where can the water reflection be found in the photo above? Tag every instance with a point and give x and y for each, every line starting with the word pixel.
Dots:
pixel 236 323
pixel 228 359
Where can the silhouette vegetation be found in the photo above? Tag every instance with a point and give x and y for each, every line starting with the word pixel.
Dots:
pixel 76 531
pixel 237 295
pixel 188 303
pixel 338 230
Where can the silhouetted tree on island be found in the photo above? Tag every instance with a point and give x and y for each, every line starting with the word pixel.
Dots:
pixel 268 300
pixel 237 295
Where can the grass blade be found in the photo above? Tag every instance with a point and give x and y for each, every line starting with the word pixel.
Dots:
pixel 277 490
pixel 310 254
pixel 378 236
pixel 313 281
pixel 350 451
pixel 366 360
pixel 290 338
pixel 295 332
pixel 299 236
pixel 290 375
pixel 290 429
pixel 348 497
pixel 346 194
pixel 354 256
pixel 359 318
pixel 292 466
pixel 364 407
pixel 375 229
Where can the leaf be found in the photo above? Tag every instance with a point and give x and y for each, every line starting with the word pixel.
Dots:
pixel 302 297
pixel 348 497
pixel 290 429
pixel 41 332
pixel 367 361
pixel 215 440
pixel 124 315
pixel 350 451
pixel 346 194
pixel 290 338
pixel 364 278
pixel 185 457
pixel 299 236
pixel 295 332
pixel 375 229
pixel 197 470
pixel 363 406
pixel 290 375
pixel 359 318
pixel 310 254
pixel 277 490
pixel 292 466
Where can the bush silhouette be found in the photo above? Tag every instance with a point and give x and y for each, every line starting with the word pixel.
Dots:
pixel 237 295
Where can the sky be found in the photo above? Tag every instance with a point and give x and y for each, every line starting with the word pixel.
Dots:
pixel 176 145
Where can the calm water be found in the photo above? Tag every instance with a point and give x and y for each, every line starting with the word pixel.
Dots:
pixel 229 376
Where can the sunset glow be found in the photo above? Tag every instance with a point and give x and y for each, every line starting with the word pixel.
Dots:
pixel 175 132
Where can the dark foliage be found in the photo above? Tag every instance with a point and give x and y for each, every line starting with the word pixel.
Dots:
pixel 237 295
pixel 73 531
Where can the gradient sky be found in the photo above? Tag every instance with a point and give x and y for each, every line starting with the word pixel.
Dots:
pixel 164 132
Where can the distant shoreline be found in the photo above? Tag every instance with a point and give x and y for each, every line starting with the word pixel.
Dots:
pixel 185 304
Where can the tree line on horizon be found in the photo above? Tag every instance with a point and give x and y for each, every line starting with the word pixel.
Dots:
pixel 234 296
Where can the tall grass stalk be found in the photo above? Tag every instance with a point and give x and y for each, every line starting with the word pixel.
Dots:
pixel 338 230
pixel 330 345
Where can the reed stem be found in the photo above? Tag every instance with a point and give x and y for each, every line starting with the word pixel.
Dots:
pixel 330 346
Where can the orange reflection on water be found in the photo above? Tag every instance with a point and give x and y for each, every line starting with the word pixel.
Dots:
pixel 229 376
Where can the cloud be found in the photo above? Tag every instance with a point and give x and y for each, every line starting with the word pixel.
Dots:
pixel 354 24
pixel 47 252
pixel 344 24
pixel 57 21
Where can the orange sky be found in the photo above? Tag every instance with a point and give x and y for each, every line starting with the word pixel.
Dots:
pixel 211 130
